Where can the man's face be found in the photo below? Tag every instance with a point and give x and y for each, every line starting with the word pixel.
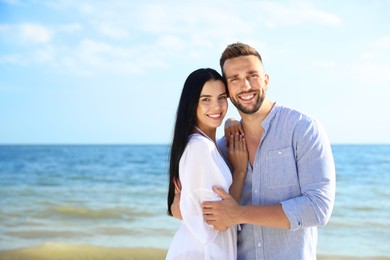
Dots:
pixel 247 82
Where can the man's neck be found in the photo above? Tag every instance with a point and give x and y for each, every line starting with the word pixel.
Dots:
pixel 252 122
pixel 253 128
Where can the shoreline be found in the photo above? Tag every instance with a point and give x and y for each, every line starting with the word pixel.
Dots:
pixel 64 251
pixel 83 251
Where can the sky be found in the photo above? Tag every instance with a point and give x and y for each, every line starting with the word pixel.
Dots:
pixel 111 72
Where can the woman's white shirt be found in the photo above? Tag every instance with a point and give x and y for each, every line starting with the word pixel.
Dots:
pixel 201 167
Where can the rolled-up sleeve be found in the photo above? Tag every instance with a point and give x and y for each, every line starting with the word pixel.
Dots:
pixel 316 174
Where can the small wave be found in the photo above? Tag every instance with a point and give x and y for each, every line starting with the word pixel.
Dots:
pixel 358 223
pixel 115 231
pixel 46 234
pixel 105 213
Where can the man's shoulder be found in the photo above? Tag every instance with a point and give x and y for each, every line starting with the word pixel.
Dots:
pixel 293 115
pixel 221 143
pixel 299 122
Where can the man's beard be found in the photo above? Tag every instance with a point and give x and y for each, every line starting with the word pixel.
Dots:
pixel 252 109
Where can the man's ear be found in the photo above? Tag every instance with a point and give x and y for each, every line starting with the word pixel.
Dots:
pixel 266 80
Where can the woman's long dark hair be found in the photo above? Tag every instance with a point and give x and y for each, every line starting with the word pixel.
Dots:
pixel 185 121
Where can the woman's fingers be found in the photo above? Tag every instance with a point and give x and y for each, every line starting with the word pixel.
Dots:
pixel 177 184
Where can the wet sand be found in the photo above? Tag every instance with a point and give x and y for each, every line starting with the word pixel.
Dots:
pixel 52 251
pixel 83 252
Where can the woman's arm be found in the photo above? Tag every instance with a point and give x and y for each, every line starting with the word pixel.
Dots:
pixel 238 158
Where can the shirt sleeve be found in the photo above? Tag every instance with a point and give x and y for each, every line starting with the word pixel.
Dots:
pixel 316 173
pixel 199 171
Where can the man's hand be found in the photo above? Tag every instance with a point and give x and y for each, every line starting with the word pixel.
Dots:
pixel 175 207
pixel 222 213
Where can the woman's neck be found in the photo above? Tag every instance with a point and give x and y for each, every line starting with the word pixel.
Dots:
pixel 210 133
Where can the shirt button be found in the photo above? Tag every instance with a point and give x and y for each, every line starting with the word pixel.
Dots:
pixel 279 152
pixel 259 244
pixel 255 191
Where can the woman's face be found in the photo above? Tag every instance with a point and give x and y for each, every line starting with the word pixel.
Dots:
pixel 212 105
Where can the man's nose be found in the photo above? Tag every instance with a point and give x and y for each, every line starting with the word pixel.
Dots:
pixel 245 84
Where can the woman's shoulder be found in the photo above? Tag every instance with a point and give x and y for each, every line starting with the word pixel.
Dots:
pixel 199 142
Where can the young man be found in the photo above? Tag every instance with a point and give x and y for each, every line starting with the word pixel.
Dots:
pixel 289 188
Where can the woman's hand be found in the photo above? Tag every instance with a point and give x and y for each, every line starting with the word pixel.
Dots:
pixel 238 157
pixel 232 127
pixel 237 153
pixel 175 206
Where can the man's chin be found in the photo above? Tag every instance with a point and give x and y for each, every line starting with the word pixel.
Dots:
pixel 248 110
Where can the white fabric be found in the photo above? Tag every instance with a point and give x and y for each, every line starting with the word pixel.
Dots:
pixel 201 166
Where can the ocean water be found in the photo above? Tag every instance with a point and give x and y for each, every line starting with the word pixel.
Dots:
pixel 116 196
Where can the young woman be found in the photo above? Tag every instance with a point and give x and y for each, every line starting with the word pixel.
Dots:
pixel 196 161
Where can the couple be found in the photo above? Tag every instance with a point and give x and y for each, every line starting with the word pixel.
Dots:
pixel 280 182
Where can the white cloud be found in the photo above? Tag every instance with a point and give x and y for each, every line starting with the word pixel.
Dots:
pixel 110 59
pixel 33 33
pixel 113 31
pixel 373 74
pixel 369 55
pixel 171 42
pixel 325 64
pixel 26 33
pixel 178 31
pixel 90 46
pixel 12 58
pixel 277 14
pixel 70 28
pixel 383 42
pixel 217 21
pixel 377 50
pixel 44 55
pixel 4 28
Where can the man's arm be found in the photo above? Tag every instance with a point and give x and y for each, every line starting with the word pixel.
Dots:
pixel 316 172
pixel 228 213
pixel 317 178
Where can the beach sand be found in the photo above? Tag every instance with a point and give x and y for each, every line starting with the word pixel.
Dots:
pixel 59 251
pixel 83 252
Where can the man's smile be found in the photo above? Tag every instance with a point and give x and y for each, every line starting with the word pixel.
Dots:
pixel 247 96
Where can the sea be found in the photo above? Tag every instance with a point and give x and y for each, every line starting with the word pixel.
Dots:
pixel 115 196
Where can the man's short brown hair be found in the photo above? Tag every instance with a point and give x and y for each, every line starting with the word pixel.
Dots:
pixel 235 50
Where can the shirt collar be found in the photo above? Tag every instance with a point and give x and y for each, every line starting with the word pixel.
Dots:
pixel 271 115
